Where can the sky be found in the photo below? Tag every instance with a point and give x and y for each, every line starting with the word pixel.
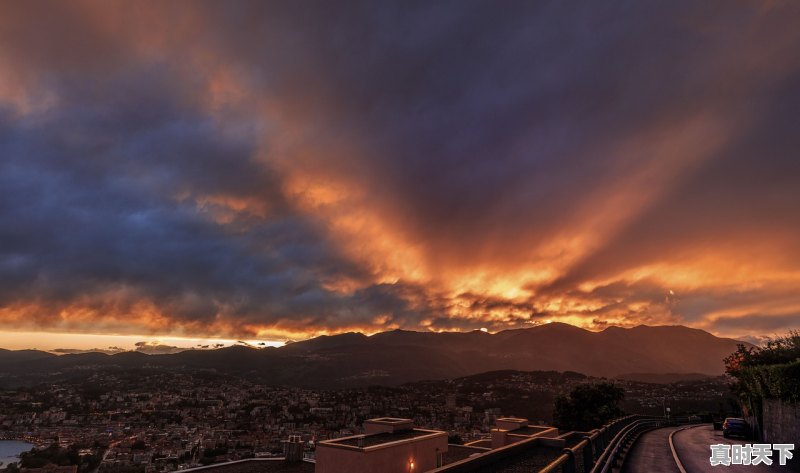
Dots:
pixel 185 172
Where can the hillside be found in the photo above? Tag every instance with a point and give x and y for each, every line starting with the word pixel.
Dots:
pixel 399 356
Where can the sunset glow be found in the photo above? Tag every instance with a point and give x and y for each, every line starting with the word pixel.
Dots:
pixel 192 178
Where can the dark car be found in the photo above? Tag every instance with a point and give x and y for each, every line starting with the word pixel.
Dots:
pixel 735 427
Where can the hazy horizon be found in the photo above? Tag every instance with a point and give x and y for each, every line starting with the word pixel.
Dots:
pixel 112 344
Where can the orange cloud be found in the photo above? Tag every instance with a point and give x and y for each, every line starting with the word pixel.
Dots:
pixel 273 173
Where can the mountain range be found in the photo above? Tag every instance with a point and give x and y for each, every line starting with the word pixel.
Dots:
pixel 398 356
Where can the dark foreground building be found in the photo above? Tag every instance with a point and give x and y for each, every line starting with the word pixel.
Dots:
pixel 392 445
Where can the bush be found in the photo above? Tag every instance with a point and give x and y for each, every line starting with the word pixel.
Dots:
pixel 588 406
pixel 771 381
pixel 771 371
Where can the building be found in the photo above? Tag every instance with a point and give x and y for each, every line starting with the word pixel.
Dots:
pixel 393 445
pixel 510 430
pixel 389 445
pixel 450 401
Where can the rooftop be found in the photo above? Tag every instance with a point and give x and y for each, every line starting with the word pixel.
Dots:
pixel 257 465
pixel 526 456
pixel 529 430
pixel 529 454
pixel 364 441
pixel 390 420
pixel 482 443
pixel 459 452
pixel 532 459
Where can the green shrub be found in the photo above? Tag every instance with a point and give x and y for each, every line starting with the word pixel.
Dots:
pixel 768 372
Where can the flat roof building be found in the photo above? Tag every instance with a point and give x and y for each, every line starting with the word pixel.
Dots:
pixel 394 445
pixel 510 430
pixel 389 445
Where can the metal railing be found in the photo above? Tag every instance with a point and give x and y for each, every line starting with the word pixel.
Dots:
pixel 614 454
pixel 603 448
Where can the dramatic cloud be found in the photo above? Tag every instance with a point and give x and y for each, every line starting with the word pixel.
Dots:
pixel 277 170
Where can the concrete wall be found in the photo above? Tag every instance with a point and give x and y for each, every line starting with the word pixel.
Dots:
pixel 499 438
pixel 510 423
pixel 781 422
pixel 395 458
pixel 502 438
pixel 387 424
pixel 782 425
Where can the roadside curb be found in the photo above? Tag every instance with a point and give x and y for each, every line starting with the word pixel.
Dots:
pixel 672 446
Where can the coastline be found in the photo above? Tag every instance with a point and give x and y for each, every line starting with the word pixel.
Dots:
pixel 13 455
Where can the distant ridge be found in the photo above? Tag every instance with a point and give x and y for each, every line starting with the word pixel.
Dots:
pixel 663 378
pixel 20 356
pixel 398 356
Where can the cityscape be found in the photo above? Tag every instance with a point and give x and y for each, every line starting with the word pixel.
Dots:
pixel 148 420
pixel 376 236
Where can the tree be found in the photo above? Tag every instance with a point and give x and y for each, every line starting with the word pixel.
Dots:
pixel 139 445
pixel 588 406
pixel 769 371
pixel 778 350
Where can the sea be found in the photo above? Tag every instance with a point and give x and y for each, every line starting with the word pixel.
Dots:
pixel 9 449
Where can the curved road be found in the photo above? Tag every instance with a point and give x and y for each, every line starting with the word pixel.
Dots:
pixel 651 452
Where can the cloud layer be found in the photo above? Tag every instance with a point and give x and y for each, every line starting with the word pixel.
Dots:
pixel 281 170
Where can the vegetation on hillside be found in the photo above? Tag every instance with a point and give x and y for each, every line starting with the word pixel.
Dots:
pixel 588 406
pixel 771 371
pixel 40 457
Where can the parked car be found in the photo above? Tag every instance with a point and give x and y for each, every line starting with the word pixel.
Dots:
pixel 735 427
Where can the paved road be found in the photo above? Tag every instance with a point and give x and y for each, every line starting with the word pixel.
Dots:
pixel 651 453
pixel 693 447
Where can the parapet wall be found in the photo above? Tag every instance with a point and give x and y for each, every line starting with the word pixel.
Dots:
pixel 781 424
pixel 781 421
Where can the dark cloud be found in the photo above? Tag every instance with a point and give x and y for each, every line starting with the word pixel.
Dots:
pixel 102 204
pixel 506 122
pixel 74 351
pixel 290 167
pixel 155 348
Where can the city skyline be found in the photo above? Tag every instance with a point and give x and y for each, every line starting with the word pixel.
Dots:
pixel 198 173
